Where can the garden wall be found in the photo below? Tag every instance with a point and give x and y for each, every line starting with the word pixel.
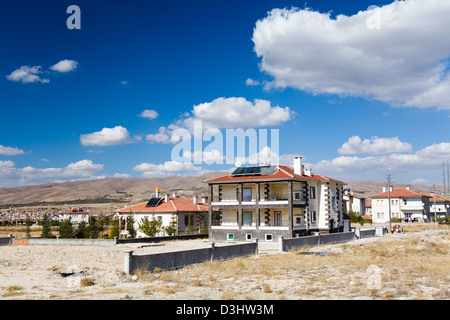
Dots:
pixel 178 259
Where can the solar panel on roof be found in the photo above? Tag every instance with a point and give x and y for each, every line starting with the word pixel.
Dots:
pixel 248 170
pixel 153 202
pixel 252 171
pixel 238 170
pixel 268 170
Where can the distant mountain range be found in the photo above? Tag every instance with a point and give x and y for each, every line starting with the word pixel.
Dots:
pixel 139 189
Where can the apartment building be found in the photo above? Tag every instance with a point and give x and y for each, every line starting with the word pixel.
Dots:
pixel 76 215
pixel 405 204
pixel 267 201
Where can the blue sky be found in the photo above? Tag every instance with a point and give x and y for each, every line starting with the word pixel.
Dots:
pixel 349 118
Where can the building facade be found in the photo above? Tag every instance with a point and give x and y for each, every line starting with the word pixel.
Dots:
pixel 439 206
pixel 187 215
pixel 264 202
pixel 76 215
pixel 354 203
pixel 405 204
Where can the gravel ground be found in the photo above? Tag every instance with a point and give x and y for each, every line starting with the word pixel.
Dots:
pixel 41 272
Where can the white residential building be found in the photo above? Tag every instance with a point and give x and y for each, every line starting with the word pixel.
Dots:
pixel 354 203
pixel 267 201
pixel 439 205
pixel 405 204
pixel 76 215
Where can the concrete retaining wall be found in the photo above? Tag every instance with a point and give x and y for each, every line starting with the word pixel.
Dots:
pixel 336 237
pixel 365 233
pixel 296 243
pixel 59 241
pixel 177 259
pixel 309 241
pixel 159 239
pixel 4 241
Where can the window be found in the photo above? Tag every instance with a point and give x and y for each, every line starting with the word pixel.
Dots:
pixel 298 220
pixel 187 219
pixel 333 202
pixel 248 236
pixel 230 236
pixel 247 217
pixel 277 218
pixel 247 194
pixel 268 237
pixel 297 195
pixel 314 216
pixel 312 192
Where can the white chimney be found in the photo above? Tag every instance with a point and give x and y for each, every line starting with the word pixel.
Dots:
pixel 408 187
pixel 298 165
pixel 166 199
pixel 384 189
pixel 308 172
pixel 391 188
pixel 195 200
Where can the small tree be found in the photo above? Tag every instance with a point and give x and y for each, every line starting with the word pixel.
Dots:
pixel 46 230
pixel 28 224
pixel 171 229
pixel 92 228
pixel 205 228
pixel 81 231
pixel 66 229
pixel 114 230
pixel 190 226
pixel 150 228
pixel 130 227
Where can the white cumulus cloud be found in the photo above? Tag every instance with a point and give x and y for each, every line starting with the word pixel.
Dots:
pixel 374 146
pixel 227 113
pixel 27 74
pixel 403 60
pixel 10 151
pixel 107 137
pixel 169 168
pixel 64 66
pixel 13 176
pixel 150 114
pixel 426 161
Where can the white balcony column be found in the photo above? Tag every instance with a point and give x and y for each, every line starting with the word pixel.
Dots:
pixel 240 214
pixel 258 219
pixel 290 208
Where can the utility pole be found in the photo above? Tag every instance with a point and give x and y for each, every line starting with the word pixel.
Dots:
pixel 389 200
pixel 443 177
pixel 448 179
pixel 434 196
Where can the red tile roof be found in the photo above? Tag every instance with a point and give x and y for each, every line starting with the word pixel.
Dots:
pixel 283 172
pixel 175 204
pixel 401 193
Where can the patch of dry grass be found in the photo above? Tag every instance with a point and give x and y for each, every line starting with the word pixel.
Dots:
pixel 415 268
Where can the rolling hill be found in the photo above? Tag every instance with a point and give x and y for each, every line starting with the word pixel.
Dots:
pixel 140 189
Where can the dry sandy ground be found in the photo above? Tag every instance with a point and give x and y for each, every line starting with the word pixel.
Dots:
pixel 361 269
